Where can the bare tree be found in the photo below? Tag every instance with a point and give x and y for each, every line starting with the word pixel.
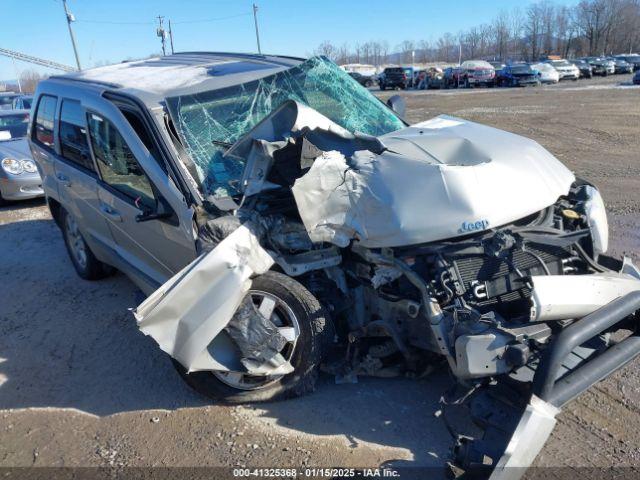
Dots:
pixel 592 27
pixel 29 80
pixel 327 49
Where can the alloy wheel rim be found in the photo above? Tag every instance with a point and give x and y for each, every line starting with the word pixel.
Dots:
pixel 282 316
pixel 76 242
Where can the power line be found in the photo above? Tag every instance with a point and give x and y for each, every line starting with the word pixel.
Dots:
pixel 108 22
pixel 213 19
pixel 206 20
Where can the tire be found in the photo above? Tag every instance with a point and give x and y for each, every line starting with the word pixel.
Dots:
pixel 382 87
pixel 3 202
pixel 316 332
pixel 87 266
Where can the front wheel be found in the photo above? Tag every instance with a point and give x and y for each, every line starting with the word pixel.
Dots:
pixel 303 322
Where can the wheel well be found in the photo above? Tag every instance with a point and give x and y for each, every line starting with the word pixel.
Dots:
pixel 55 208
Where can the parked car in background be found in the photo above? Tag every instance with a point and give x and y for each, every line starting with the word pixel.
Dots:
pixel 632 58
pixel 452 77
pixel 478 72
pixel 435 78
pixel 23 102
pixel 636 78
pixel 410 72
pixel 599 66
pixel 419 79
pixel 6 100
pixel 620 65
pixel 566 69
pixel 19 177
pixel 586 71
pixel 546 72
pixel 519 75
pixel 364 80
pixel 393 77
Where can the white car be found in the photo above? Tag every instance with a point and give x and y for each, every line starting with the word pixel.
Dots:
pixel 566 69
pixel 547 72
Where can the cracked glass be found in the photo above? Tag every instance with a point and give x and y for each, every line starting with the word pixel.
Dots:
pixel 209 122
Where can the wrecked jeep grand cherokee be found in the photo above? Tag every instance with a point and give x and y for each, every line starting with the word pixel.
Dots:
pixel 284 220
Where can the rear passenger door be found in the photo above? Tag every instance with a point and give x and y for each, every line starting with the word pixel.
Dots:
pixel 77 180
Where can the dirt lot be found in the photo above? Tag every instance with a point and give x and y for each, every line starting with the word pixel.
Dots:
pixel 81 386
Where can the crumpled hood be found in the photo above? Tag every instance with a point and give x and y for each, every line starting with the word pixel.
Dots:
pixel 435 180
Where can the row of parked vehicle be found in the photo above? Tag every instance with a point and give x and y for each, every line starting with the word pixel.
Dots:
pixel 19 178
pixel 479 72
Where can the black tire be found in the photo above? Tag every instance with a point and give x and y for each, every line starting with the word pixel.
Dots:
pixel 316 332
pixel 3 202
pixel 92 269
pixel 382 86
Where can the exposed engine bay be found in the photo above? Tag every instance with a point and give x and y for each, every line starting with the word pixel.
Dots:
pixel 412 276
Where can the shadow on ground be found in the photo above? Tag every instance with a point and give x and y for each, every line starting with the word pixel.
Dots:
pixel 70 343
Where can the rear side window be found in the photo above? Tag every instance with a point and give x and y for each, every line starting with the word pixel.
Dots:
pixel 44 120
pixel 73 135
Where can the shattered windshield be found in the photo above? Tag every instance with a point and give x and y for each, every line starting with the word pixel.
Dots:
pixel 208 122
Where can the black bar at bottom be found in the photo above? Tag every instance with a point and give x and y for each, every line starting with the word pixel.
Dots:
pixel 597 369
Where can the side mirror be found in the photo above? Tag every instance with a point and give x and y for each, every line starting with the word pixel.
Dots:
pixel 398 105
pixel 162 211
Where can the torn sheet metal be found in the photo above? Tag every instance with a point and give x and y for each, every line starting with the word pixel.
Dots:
pixel 185 320
pixel 258 340
pixel 532 432
pixel 436 180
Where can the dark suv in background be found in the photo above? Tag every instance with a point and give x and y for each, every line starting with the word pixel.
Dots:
pixel 393 77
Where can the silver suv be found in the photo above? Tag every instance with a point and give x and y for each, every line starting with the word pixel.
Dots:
pixel 283 219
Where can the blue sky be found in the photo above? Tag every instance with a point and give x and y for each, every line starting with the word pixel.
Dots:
pixel 288 27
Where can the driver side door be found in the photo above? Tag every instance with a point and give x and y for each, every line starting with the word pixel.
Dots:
pixel 154 248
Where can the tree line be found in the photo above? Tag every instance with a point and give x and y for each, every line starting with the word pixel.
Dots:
pixel 591 27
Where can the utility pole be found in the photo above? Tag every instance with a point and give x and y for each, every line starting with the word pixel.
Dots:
pixel 255 21
pixel 171 36
pixel 161 33
pixel 71 18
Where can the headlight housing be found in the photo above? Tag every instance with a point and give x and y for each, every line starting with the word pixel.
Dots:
pixel 29 166
pixel 597 219
pixel 13 166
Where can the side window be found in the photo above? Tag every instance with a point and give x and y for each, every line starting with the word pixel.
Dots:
pixel 44 120
pixel 118 167
pixel 73 135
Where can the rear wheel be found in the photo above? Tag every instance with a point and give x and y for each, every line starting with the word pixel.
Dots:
pixel 84 261
pixel 304 324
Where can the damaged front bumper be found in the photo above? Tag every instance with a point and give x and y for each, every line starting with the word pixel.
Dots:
pixel 554 385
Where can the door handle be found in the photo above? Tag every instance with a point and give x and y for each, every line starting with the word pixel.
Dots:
pixel 110 212
pixel 64 180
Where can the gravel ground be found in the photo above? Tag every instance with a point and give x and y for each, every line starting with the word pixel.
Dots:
pixel 81 386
